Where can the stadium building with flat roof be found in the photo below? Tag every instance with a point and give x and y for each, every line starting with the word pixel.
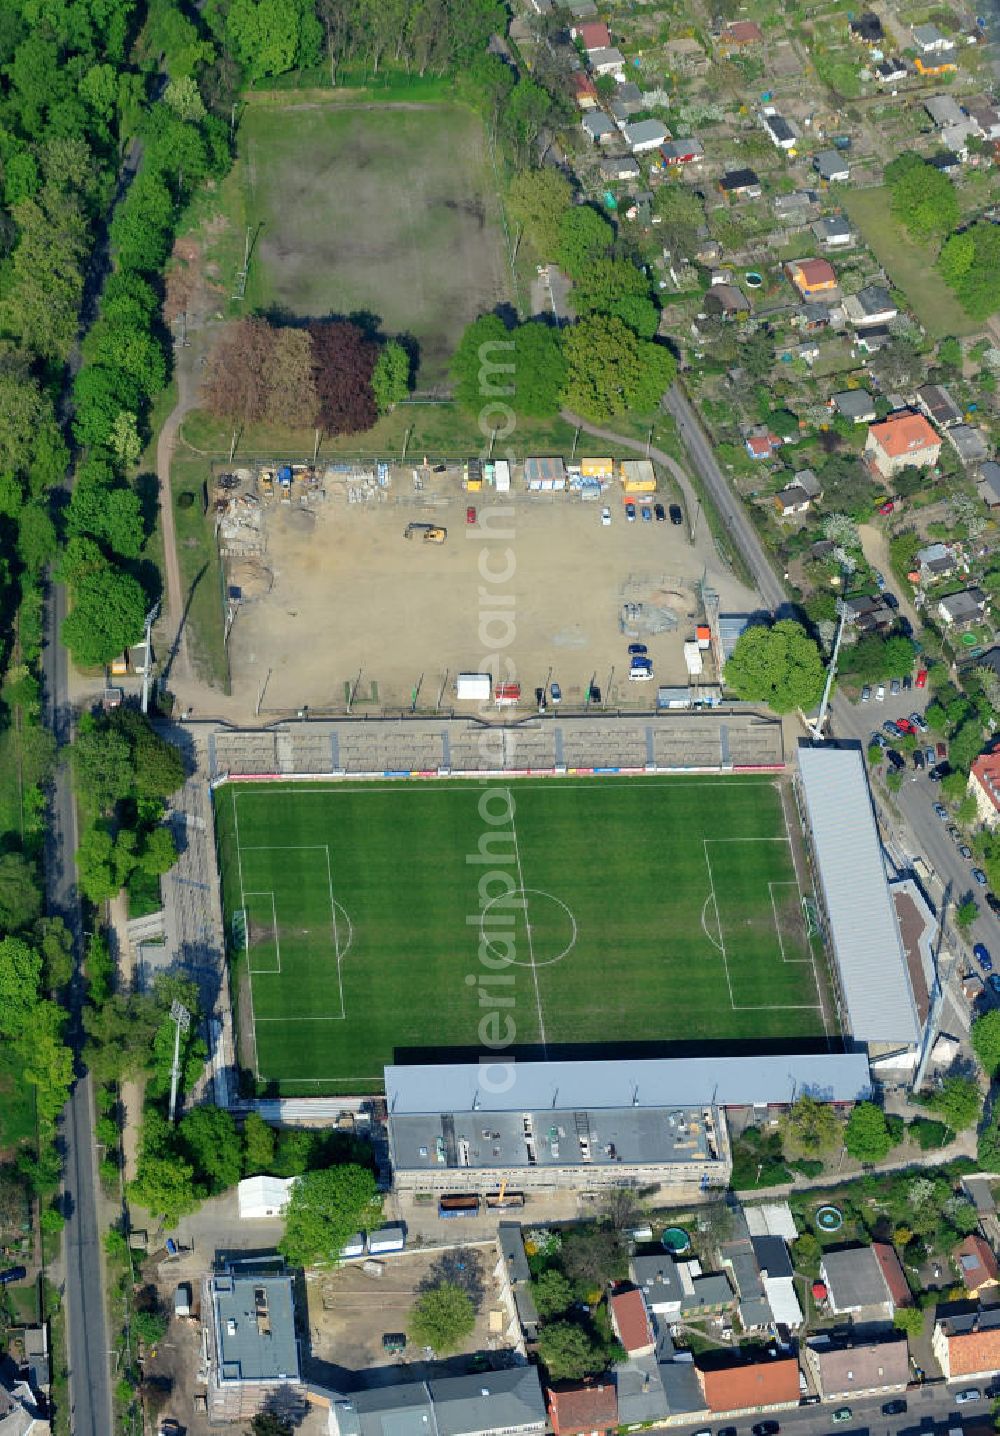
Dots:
pixel 856 908
pixel 253 1350
pixel 545 1125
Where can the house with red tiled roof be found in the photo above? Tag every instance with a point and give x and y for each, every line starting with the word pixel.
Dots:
pixel 588 1408
pixel 984 785
pixel 761 444
pixel 584 90
pixel 593 35
pixel 895 1280
pixel 742 32
pixel 902 440
pixel 967 1343
pixel 977 1264
pixel 762 1382
pixel 630 1322
pixel 813 278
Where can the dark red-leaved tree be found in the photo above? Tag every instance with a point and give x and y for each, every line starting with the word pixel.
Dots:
pixel 343 360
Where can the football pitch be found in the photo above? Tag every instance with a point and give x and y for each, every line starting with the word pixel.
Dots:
pixel 371 920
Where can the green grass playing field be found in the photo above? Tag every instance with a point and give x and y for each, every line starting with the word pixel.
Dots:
pixel 370 918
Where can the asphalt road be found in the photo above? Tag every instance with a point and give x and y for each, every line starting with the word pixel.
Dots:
pixel 86 1319
pixel 930 1408
pixel 728 505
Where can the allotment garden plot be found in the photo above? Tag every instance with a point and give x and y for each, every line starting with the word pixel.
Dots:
pixel 369 920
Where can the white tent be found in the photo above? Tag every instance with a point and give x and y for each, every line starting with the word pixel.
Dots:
pixel 260 1197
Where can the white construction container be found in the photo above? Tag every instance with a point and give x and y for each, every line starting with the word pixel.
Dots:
pixel 474 688
pixel 692 657
pixel 353 1247
pixel 501 475
pixel 388 1239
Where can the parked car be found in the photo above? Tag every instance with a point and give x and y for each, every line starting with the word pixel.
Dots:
pixel 842 1414
pixel 638 648
pixel 982 955
pixel 640 675
pixel 894 687
pixel 922 678
pixel 993 902
pixel 905 726
pixel 880 693
pixel 880 740
pixel 891 728
pixel 13 1273
pixel 971 1393
pixel 939 771
pixel 894 1408
pixel 896 759
pixel 660 513
pixel 942 750
pixel 606 517
pixel 919 721
pixel 555 693
pixel 919 761
pixel 676 516
pixel 765 1428
pixel 964 851
pixel 647 514
pixel 993 982
pixel 470 514
pixel 929 755
pixel 866 694
pixel 979 876
pixel 630 511
pixel 879 580
pixel 941 811
pixel 887 508
pixel 907 683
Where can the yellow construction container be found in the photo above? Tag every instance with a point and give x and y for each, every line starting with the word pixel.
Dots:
pixel 597 468
pixel 638 476
pixel 119 665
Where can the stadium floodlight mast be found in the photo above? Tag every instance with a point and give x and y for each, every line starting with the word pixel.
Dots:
pixel 151 618
pixel 182 1020
pixel 847 566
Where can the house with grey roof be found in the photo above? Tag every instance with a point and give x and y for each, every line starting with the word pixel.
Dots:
pixel 253 1348
pixel 599 127
pixel 513 1278
pixel 936 560
pixel 486 1404
pixel 620 167
pixel 644 135
pixel 844 1368
pixel 660 1387
pixel 856 405
pixel 856 908
pixel 962 609
pixel 936 402
pixel 988 487
pixel 778 1277
pixel 832 166
pixel 944 110
pixel 871 305
pixel 807 481
pixel 968 442
pixel 986 116
pixel 929 40
pixel 738 1259
pixel 606 61
pixel 658 1279
pixel 834 231
pixel 856 1285
pixel 778 129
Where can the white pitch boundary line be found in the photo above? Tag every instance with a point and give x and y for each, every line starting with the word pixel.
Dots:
pixel 784 883
pixel 809 942
pixel 527 927
pixel 743 1007
pixel 243 904
pixel 266 971
pixel 417 784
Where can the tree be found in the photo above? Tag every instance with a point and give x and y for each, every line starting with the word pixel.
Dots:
pixel 810 1127
pixel 966 744
pixel 149 1326
pixel 538 199
pixel 143 224
pixel 539 370
pixel 325 1208
pixel 867 1137
pixel 988 1151
pixel 391 376
pixel 986 1040
pixel 593 1256
pixel 873 658
pixel 966 913
pixel 925 200
pixel 108 613
pixel 483 363
pixel 20 899
pixel 584 236
pixel 609 370
pixel 269 37
pixel 681 214
pixel 290 387
pixel 95 865
pixel 211 1143
pixel 780 666
pixel 239 372
pixel 909 1319
pixel 258 1146
pixel 638 312
pixel 343 362
pixel 20 971
pixel 968 262
pixel 958 1101
pixel 165 1187
pixel 41 300
pixel 158 852
pixel 606 282
pixel 568 1352
pixel 442 1318
pixel 55 943
pixel 46 1061
pixel 553 1294
pixel 269 1423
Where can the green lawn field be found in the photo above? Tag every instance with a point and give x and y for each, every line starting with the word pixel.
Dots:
pixel 368 920
pixel 388 208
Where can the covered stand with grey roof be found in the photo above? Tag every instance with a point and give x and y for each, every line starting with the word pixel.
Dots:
pixel 496 1401
pixel 860 918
